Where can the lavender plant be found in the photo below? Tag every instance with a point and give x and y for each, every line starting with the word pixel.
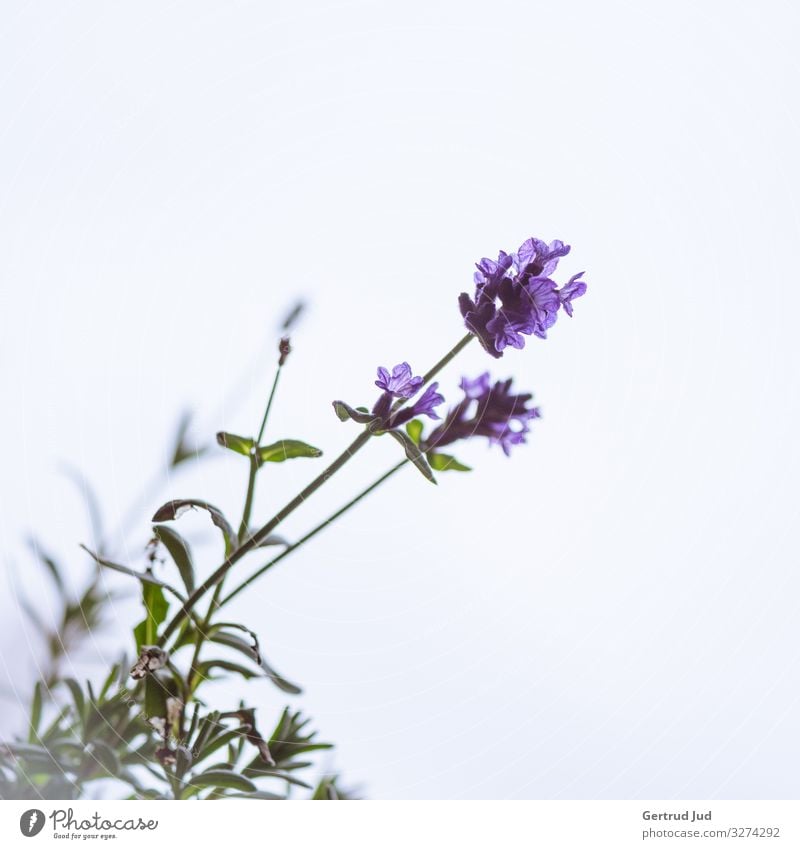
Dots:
pixel 148 729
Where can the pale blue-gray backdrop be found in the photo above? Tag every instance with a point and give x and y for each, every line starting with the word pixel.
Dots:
pixel 609 613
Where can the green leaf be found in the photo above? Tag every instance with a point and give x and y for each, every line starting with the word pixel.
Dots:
pixel 247 716
pixel 293 316
pixel 156 607
pixel 271 539
pixel 36 713
pixel 209 725
pixel 112 675
pixel 328 789
pixel 77 697
pixel 286 449
pixel 187 635
pixel 156 694
pixel 413 453
pixel 286 743
pixel 145 577
pixel 414 430
pixel 183 760
pixel 446 463
pixel 259 794
pixel 252 651
pixel 179 551
pixel 222 778
pixel 207 666
pixel 261 771
pixel 175 509
pixel 193 723
pixel 345 412
pixel 239 444
pixel 49 563
pixel 216 743
pixel 103 759
pixel 105 720
pixel 35 755
pixel 182 450
pixel 32 614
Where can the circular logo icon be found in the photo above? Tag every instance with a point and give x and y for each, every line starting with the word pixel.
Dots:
pixel 31 822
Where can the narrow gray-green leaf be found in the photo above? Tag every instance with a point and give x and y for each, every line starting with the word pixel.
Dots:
pixel 222 778
pixel 183 450
pixel 180 552
pixel 183 760
pixel 267 772
pixel 144 577
pixel 207 666
pixel 272 539
pixel 48 562
pixel 36 713
pixel 239 444
pixel 176 508
pixel 286 449
pixel 259 794
pixel 345 412
pixel 253 652
pixel 208 726
pixel 413 453
pixel 103 759
pixel 446 463
pixel 77 697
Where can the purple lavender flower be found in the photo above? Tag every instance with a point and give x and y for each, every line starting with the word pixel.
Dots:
pixel 424 406
pixel 490 273
pixel 403 385
pixel 474 389
pixel 528 299
pixel 489 410
pixel 477 315
pixel 574 289
pixel 538 259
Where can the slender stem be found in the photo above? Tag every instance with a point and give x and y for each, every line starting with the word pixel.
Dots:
pixel 243 528
pixel 248 501
pixel 269 404
pixel 201 636
pixel 263 532
pixel 295 545
pixel 453 352
pixel 251 480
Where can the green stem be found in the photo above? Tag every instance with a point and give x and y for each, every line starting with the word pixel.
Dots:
pixel 253 542
pixel 294 546
pixel 202 630
pixel 263 532
pixel 453 352
pixel 248 501
pixel 243 528
pixel 251 480
pixel 269 405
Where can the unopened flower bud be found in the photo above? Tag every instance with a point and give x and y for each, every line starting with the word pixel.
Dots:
pixel 284 348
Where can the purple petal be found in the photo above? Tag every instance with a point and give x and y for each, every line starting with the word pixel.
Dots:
pixel 574 288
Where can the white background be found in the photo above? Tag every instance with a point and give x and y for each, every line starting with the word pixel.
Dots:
pixel 609 613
